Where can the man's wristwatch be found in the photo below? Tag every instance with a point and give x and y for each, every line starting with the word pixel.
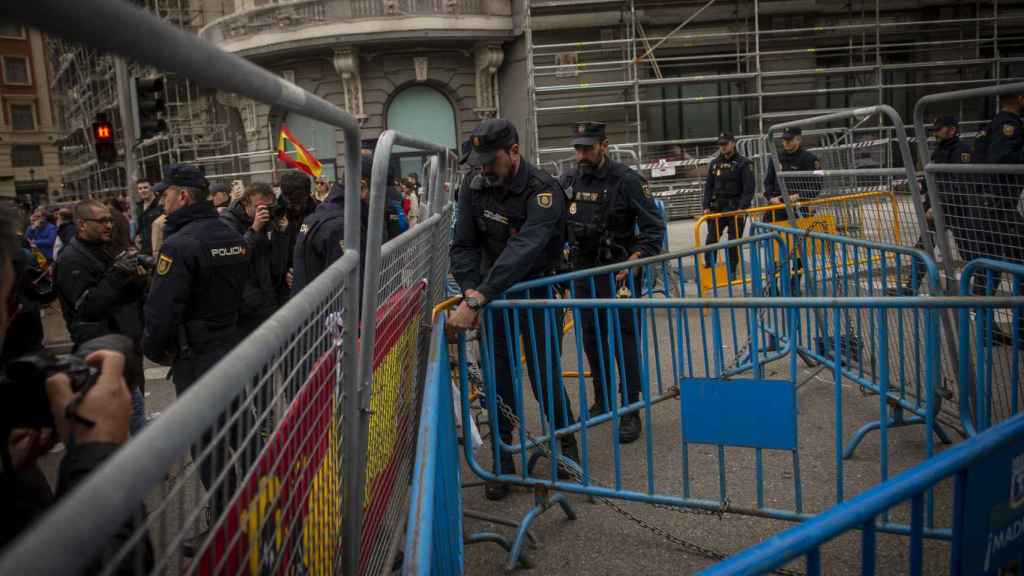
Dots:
pixel 474 303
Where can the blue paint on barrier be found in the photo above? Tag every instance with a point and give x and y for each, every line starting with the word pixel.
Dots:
pixel 741 412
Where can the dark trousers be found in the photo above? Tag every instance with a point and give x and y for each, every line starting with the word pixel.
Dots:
pixel 537 364
pixel 212 462
pixel 596 346
pixel 734 226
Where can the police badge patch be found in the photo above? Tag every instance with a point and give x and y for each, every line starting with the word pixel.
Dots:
pixel 1009 130
pixel 817 164
pixel 163 265
pixel 572 208
pixel 544 199
pixel 965 157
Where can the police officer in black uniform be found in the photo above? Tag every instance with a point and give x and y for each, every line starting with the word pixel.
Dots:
pixel 510 228
pixel 793 158
pixel 1003 197
pixel 729 186
pixel 612 218
pixel 321 238
pixel 191 312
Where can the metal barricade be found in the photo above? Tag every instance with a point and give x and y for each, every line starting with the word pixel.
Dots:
pixel 978 212
pixel 402 281
pixel 988 519
pixel 717 382
pixel 434 543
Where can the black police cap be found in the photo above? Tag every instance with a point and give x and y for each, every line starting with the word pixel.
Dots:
pixel 791 132
pixel 489 137
pixel 943 121
pixel 185 175
pixel 726 137
pixel 588 133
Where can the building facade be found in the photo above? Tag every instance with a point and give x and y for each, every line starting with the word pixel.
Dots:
pixel 29 166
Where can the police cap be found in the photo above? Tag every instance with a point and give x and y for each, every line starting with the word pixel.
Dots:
pixel 489 137
pixel 587 133
pixel 185 175
pixel 791 132
pixel 726 137
pixel 943 121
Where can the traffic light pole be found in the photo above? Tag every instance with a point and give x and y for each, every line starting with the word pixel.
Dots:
pixel 131 168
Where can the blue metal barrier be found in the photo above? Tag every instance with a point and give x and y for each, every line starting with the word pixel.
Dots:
pixel 434 543
pixel 722 396
pixel 988 509
pixel 997 355
pixel 830 265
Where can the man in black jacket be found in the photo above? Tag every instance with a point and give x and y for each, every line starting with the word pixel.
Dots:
pixel 100 291
pixel 251 217
pixel 149 210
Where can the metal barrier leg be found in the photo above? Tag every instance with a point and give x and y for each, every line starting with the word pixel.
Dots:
pixel 898 420
pixel 542 500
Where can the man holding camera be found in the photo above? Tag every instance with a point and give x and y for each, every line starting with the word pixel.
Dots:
pixel 261 221
pixel 101 291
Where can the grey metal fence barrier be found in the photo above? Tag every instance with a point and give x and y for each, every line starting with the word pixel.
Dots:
pixel 402 281
pixel 266 426
pixel 978 210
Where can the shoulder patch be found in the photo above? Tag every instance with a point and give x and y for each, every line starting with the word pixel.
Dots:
pixel 544 199
pixel 304 228
pixel 817 164
pixel 163 264
pixel 1009 130
pixel 965 157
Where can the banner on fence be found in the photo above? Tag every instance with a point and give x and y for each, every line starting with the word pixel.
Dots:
pixel 991 534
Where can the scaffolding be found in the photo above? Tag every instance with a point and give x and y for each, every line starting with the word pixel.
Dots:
pixel 667 76
pixel 84 84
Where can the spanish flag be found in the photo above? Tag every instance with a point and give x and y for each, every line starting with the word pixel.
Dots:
pixel 303 159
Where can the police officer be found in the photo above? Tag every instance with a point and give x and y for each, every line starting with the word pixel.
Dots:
pixel 612 218
pixel 192 309
pixel 729 186
pixel 509 229
pixel 793 158
pixel 1002 198
pixel 321 238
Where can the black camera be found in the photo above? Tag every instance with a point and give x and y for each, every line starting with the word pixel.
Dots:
pixel 26 404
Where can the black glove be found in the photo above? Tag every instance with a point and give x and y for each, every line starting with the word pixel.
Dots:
pixel 127 263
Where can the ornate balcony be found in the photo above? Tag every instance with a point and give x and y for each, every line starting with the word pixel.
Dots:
pixel 286 26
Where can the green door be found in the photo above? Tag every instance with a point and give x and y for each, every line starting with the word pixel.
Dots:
pixel 424 113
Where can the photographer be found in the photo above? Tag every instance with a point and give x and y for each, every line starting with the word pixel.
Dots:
pixel 105 404
pixel 102 292
pixel 262 222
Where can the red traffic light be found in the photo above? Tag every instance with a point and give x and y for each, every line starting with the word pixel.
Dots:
pixel 103 131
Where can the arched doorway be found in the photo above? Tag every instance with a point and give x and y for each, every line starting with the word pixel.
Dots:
pixel 425 113
pixel 319 138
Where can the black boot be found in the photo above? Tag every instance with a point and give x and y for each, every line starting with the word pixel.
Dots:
pixel 494 490
pixel 570 450
pixel 630 427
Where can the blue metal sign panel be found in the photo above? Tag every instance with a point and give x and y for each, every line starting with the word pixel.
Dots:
pixel 754 413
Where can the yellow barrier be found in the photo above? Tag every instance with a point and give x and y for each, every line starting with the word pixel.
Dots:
pixel 836 224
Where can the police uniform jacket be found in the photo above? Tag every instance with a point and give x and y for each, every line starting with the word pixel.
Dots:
pixel 202 268
pixel 321 238
pixel 799 160
pixel 1006 139
pixel 507 234
pixel 949 151
pixel 729 184
pixel 260 296
pixel 96 298
pixel 611 200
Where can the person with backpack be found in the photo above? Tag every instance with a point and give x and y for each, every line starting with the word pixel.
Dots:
pixel 612 218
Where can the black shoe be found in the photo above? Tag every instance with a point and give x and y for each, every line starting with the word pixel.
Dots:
pixel 498 490
pixel 901 291
pixel 629 428
pixel 1001 337
pixel 570 450
pixel 596 410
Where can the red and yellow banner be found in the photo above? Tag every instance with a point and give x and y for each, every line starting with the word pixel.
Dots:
pixel 304 160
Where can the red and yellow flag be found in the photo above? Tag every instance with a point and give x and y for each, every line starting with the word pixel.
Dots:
pixel 303 160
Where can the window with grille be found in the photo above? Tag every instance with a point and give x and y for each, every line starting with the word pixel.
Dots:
pixel 16 70
pixel 26 155
pixel 23 117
